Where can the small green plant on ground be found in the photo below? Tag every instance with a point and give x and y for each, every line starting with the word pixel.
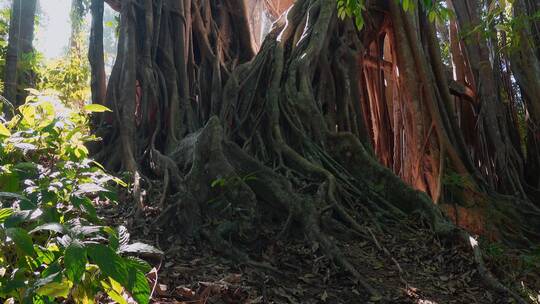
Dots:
pixel 53 246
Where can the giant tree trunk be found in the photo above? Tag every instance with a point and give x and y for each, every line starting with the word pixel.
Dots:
pixel 21 35
pixel 291 134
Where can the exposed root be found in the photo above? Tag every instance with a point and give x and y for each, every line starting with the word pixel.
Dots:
pixel 292 144
pixel 484 272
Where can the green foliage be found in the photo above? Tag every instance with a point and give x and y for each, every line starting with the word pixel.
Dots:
pixel 53 245
pixel 352 9
pixel 70 76
pixel 355 8
pixel 499 20
pixel 4 30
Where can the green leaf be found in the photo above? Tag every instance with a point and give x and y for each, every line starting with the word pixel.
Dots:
pixel 96 108
pixel 138 263
pixel 5 213
pixel 29 114
pixel 75 261
pixel 110 263
pixel 44 255
pixel 55 227
pixel 141 289
pixel 12 195
pixel 113 238
pixel 22 239
pixel 55 289
pixel 21 216
pixel 89 188
pixel 4 131
pixel 139 248
pixel 113 290
pixel 114 266
pixel 85 205
pixel 218 182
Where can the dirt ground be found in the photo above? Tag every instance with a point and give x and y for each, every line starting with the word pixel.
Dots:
pixel 406 265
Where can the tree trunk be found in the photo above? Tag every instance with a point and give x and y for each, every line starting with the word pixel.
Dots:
pixel 286 135
pixel 503 165
pixel 526 61
pixel 95 53
pixel 21 35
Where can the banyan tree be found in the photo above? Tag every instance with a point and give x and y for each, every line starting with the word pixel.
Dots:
pixel 322 125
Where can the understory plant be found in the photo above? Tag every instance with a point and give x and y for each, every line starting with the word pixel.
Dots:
pixel 53 245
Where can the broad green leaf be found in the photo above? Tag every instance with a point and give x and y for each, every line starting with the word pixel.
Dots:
pixel 113 238
pixel 56 289
pixel 114 290
pixel 110 263
pixel 138 263
pixel 21 216
pixel 114 266
pixel 55 227
pixel 12 195
pixel 89 188
pixel 4 131
pixel 141 289
pixel 83 294
pixel 29 114
pixel 86 230
pixel 96 108
pixel 139 248
pixel 44 255
pixel 22 239
pixel 75 261
pixel 85 204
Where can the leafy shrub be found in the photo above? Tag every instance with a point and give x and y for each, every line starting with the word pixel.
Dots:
pixel 69 75
pixel 53 246
pixel 4 29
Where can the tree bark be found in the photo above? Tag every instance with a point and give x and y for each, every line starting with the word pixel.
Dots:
pixel 525 59
pixel 95 53
pixel 285 135
pixel 21 35
pixel 502 164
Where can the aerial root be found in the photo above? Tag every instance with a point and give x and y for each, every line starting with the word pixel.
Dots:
pixel 483 271
pixel 214 157
pixel 389 255
pixel 332 251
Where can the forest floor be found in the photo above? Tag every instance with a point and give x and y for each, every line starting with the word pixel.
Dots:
pixel 411 266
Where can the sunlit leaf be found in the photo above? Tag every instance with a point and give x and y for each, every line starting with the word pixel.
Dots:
pixel 5 213
pixel 114 290
pixel 55 227
pixel 139 248
pixel 96 108
pixel 4 131
pixel 56 289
